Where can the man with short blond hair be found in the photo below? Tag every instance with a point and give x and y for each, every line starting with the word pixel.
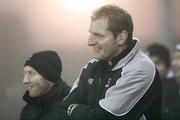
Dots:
pixel 120 82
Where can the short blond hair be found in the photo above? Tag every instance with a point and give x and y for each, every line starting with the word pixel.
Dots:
pixel 118 19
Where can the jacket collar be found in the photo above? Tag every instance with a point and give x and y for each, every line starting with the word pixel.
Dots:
pixel 125 56
pixel 58 91
pixel 121 59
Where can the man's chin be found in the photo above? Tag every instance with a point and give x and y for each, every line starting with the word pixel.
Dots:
pixel 31 94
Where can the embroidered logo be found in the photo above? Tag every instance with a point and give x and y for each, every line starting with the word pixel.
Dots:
pixel 90 81
pixel 108 83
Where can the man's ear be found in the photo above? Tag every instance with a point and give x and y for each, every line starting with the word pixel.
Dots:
pixel 122 38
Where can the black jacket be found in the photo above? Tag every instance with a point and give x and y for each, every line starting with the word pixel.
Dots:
pixel 127 90
pixel 44 107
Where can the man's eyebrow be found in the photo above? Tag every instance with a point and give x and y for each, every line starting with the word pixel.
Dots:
pixel 95 33
pixel 28 70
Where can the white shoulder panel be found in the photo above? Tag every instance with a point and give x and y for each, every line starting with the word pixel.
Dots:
pixel 136 77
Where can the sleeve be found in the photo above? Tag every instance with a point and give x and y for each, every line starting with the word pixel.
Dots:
pixel 84 112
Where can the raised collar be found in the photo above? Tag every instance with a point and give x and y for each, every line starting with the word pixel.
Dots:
pixel 124 57
pixel 121 59
pixel 58 91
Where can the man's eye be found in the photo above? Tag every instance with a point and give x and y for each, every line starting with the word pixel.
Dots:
pixel 99 36
pixel 31 73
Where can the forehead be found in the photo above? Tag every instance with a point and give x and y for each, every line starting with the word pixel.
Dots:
pixel 28 68
pixel 98 25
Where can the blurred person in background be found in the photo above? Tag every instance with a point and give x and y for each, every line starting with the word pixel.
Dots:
pixel 176 66
pixel 45 88
pixel 120 82
pixel 160 55
pixel 174 109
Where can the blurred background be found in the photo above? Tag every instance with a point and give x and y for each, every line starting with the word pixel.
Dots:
pixel 27 26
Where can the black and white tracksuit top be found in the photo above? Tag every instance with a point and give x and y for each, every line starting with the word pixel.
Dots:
pixel 131 89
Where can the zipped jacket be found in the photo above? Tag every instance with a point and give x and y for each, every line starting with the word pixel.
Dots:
pixel 44 107
pixel 128 89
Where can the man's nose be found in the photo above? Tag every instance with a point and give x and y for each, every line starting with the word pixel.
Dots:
pixel 25 80
pixel 91 41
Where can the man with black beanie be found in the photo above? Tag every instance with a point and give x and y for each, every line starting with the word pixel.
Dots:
pixel 45 88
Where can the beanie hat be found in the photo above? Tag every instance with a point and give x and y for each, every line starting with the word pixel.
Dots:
pixel 47 63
